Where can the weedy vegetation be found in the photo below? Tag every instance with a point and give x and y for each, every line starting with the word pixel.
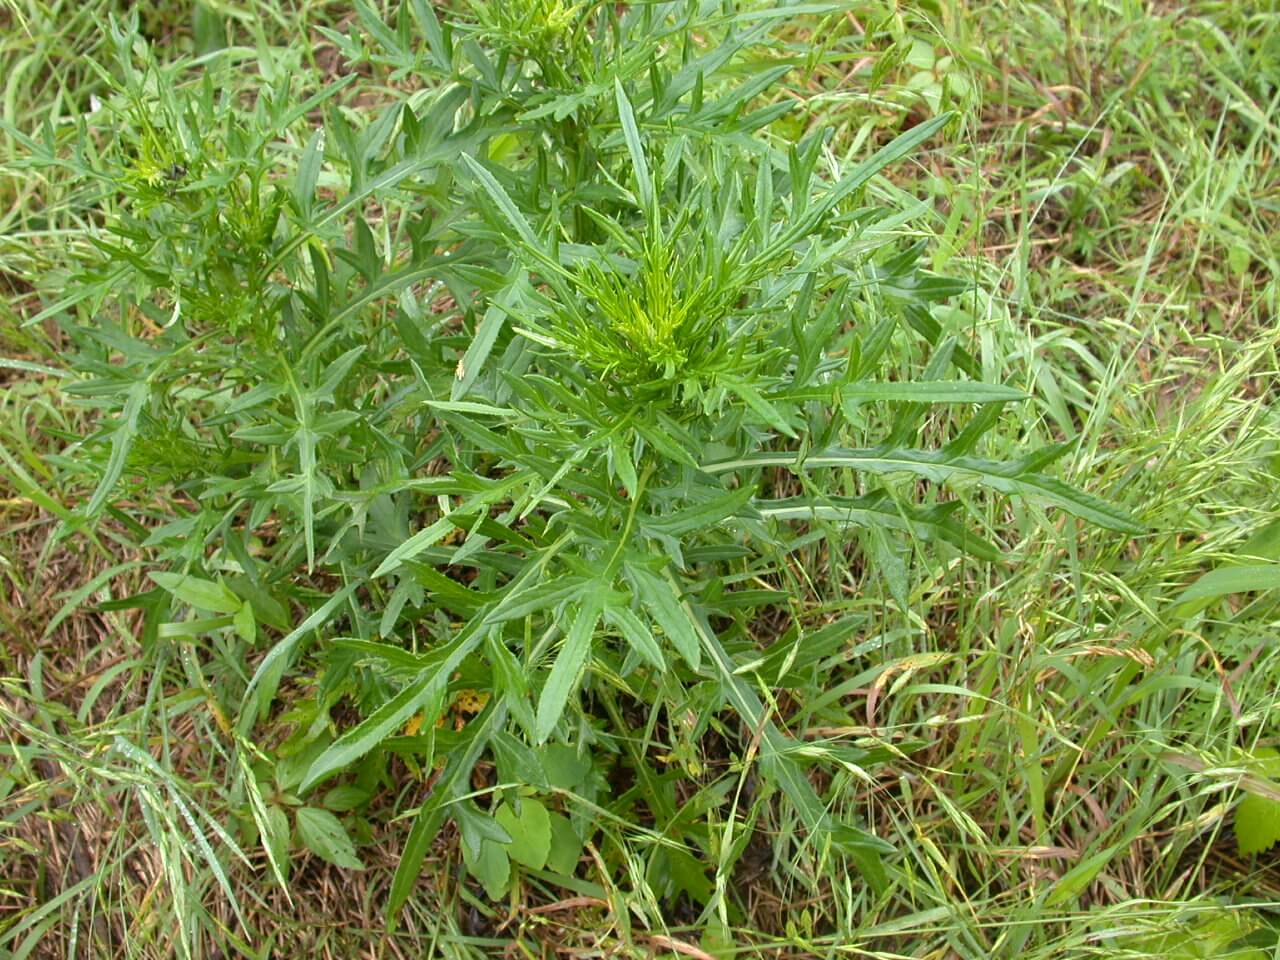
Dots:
pixel 706 478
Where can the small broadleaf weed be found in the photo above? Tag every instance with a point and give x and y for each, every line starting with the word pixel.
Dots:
pixel 518 386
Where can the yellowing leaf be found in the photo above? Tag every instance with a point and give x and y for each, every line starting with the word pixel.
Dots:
pixel 470 701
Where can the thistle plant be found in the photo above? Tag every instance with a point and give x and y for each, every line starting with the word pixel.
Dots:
pixel 509 391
